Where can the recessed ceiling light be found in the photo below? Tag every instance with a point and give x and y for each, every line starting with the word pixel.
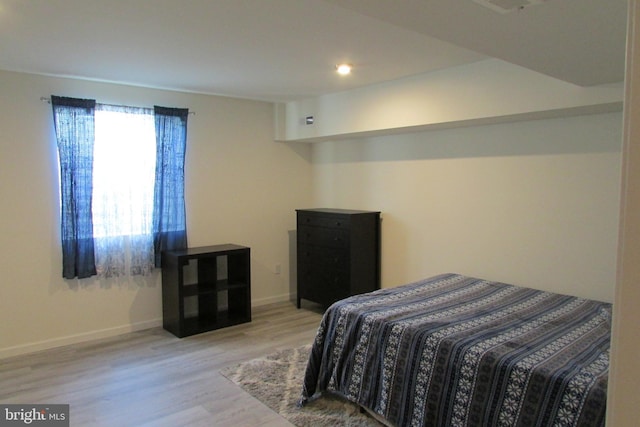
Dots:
pixel 344 69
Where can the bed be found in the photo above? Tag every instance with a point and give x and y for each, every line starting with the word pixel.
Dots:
pixel 453 350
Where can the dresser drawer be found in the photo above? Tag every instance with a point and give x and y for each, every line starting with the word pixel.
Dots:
pixel 326 279
pixel 328 237
pixel 313 279
pixel 327 258
pixel 334 221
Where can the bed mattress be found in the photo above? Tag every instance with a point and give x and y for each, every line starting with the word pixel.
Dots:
pixel 453 350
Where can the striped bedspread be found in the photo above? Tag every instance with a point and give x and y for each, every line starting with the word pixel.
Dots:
pixel 458 351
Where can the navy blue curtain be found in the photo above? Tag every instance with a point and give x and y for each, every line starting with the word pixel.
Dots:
pixel 169 219
pixel 74 121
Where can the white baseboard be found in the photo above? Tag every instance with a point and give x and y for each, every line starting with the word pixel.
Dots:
pixel 272 300
pixel 110 332
pixel 78 338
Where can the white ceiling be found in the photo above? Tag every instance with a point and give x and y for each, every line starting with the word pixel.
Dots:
pixel 280 50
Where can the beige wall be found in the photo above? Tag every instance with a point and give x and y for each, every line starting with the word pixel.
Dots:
pixel 532 203
pixel 241 187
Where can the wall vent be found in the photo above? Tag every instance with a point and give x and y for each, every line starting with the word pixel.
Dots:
pixel 506 6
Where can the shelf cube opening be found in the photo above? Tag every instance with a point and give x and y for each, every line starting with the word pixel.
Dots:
pixel 223 300
pixel 190 273
pixel 191 307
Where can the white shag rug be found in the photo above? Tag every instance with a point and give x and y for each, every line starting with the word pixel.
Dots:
pixel 276 380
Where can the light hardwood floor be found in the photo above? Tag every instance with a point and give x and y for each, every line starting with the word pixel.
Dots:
pixel 151 378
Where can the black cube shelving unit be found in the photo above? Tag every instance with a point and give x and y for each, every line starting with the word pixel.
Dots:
pixel 205 288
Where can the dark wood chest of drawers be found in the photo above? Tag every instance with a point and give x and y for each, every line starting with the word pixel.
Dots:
pixel 338 254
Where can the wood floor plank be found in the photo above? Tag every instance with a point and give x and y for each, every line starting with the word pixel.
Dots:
pixel 151 378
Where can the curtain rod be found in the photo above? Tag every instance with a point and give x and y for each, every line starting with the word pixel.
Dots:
pixel 48 101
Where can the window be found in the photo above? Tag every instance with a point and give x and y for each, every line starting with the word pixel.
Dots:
pixel 123 171
pixel 124 162
pixel 121 185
